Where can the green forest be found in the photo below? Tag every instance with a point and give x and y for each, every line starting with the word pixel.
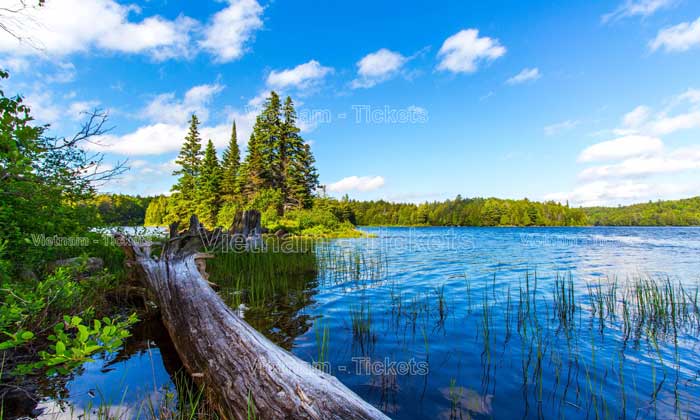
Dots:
pixel 483 212
pixel 278 177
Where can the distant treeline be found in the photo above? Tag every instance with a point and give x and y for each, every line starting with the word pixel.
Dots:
pixel 684 212
pixel 121 209
pixel 498 212
pixel 467 212
pixel 127 210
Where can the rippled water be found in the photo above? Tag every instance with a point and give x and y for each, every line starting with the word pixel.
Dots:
pixel 462 323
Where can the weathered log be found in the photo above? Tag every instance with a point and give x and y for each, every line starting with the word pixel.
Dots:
pixel 239 368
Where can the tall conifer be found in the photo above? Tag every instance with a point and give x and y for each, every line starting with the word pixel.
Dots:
pixel 208 187
pixel 230 166
pixel 189 160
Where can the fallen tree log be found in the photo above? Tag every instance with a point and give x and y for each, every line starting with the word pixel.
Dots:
pixel 239 368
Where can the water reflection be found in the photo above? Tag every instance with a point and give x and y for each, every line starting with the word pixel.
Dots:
pixel 511 322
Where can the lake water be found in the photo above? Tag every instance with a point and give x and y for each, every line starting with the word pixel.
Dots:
pixel 476 323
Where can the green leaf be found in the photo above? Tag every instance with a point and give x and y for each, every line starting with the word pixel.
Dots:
pixel 26 335
pixel 83 333
pixel 60 347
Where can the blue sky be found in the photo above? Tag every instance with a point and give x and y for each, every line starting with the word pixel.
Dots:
pixel 591 102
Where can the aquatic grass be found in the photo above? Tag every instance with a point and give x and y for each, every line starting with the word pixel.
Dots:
pixel 322 341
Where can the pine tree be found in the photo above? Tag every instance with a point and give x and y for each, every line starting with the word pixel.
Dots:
pixel 299 173
pixel 230 166
pixel 290 148
pixel 303 178
pixel 189 159
pixel 253 169
pixel 208 187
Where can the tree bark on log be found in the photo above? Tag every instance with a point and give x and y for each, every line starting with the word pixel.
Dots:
pixel 238 367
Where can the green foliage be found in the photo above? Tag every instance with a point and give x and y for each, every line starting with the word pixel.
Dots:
pixel 208 197
pixel 121 209
pixel 157 211
pixel 226 214
pixel 466 212
pixel 190 162
pixel 67 307
pixel 230 165
pixel 74 341
pixel 684 212
pixel 278 174
pixel 278 158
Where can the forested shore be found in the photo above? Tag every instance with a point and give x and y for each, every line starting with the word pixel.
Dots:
pixel 117 209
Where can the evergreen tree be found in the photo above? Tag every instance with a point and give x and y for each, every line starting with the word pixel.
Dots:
pixel 263 165
pixel 297 162
pixel 189 159
pixel 253 169
pixel 208 187
pixel 230 166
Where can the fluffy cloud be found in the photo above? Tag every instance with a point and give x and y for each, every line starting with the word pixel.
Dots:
pixel 166 108
pixel 677 161
pixel 43 107
pixel 681 37
pixel 168 128
pixel 231 29
pixel 637 117
pixel 554 129
pixel 160 138
pixel 526 75
pixel 377 67
pixel 641 8
pixel 621 148
pixel 639 163
pixel 63 27
pixel 357 183
pixel 605 193
pixel 78 110
pixel 463 51
pixel 302 76
pixel 643 120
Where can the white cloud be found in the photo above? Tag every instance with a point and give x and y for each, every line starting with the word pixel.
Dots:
pixel 465 50
pixel 302 76
pixel 148 140
pixel 621 148
pixel 43 107
pixel 357 183
pixel 679 38
pixel 678 161
pixel 166 134
pixel 641 166
pixel 78 110
pixel 641 8
pixel 668 125
pixel 159 138
pixel 65 73
pixel 637 117
pixel 15 64
pixel 231 29
pixel 642 120
pixel 554 129
pixel 377 67
pixel 605 193
pixel 63 27
pixel 526 75
pixel 165 108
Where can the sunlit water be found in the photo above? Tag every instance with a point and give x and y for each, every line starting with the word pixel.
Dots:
pixel 461 323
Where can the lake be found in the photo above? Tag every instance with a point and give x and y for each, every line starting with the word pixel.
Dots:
pixel 593 322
